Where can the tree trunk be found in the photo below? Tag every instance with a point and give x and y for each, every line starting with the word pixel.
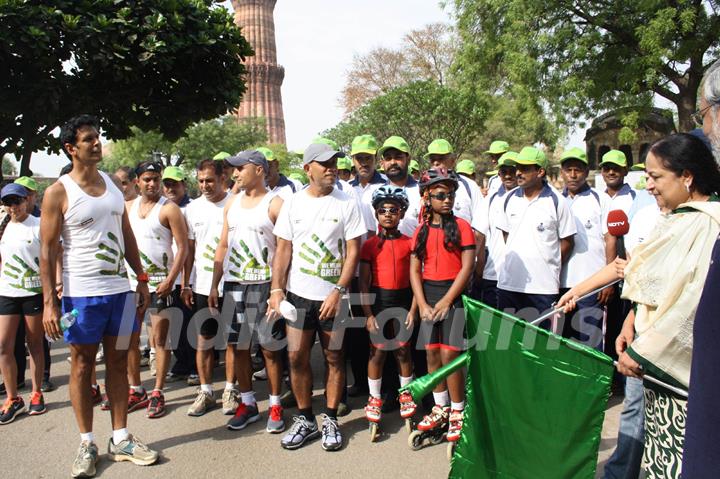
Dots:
pixel 687 104
pixel 25 162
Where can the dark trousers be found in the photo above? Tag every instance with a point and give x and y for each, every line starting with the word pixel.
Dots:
pixel 585 323
pixel 526 306
pixel 21 358
pixel 357 344
pixel 184 352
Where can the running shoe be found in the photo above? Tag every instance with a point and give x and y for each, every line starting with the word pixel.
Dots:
pixel 11 409
pixel 37 404
pixel 203 402
pixel 301 432
pixel 275 422
pixel 260 375
pixel 230 401
pixel 137 400
pixel 156 406
pixel 244 415
pixel 133 450
pixel 407 405
pixel 100 356
pixel 455 427
pixel 84 463
pixel 46 386
pixel 331 437
pixel 373 409
pixel 438 417
pixel 171 377
pixel 193 380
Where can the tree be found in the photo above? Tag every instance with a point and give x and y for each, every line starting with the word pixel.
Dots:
pixel 8 168
pixel 581 57
pixel 426 54
pixel 200 140
pixel 420 112
pixel 156 64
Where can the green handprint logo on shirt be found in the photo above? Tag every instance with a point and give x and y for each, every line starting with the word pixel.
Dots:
pixel 113 256
pixel 27 277
pixel 326 265
pixel 156 273
pixel 250 268
pixel 209 254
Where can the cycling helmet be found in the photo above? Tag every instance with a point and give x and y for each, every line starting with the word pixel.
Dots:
pixel 396 194
pixel 434 176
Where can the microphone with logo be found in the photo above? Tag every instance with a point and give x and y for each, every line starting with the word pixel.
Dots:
pixel 618 226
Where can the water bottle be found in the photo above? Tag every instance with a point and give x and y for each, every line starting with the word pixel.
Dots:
pixel 66 320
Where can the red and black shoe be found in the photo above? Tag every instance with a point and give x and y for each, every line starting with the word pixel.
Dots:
pixel 37 404
pixel 156 406
pixel 137 400
pixel 11 409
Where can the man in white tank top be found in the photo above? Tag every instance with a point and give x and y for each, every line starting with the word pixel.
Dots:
pixel 87 209
pixel 204 220
pixel 244 256
pixel 156 222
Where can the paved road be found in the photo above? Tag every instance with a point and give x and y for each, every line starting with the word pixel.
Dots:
pixel 44 446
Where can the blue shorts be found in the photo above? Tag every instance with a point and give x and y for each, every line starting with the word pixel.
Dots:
pixel 101 316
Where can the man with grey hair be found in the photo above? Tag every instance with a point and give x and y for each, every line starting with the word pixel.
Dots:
pixel 701 457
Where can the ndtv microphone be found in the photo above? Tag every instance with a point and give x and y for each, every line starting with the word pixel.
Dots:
pixel 618 225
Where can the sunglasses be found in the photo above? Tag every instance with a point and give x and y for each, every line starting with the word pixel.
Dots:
pixel 699 115
pixel 385 211
pixel 12 201
pixel 443 196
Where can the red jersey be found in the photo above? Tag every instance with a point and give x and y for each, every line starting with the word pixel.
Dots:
pixel 390 264
pixel 439 263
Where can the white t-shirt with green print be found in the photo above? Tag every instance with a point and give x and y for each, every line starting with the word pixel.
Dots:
pixel 205 222
pixel 318 229
pixel 20 251
pixel 154 242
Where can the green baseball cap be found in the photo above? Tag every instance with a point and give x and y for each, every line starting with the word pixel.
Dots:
pixel 529 156
pixel 326 141
pixel 507 159
pixel 414 166
pixel 491 173
pixel 396 142
pixel 497 147
pixel 438 147
pixel 574 154
pixel 344 163
pixel 173 173
pixel 221 156
pixel 267 152
pixel 364 144
pixel 616 157
pixel 28 182
pixel 635 167
pixel 466 166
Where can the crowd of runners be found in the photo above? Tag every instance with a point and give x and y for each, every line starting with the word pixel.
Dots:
pixel 371 265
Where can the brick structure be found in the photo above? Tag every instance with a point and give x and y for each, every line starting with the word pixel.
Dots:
pixel 265 76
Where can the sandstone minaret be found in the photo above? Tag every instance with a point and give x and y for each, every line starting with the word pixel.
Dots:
pixel 265 76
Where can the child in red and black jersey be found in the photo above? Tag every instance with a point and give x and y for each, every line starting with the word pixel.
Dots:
pixel 384 273
pixel 440 267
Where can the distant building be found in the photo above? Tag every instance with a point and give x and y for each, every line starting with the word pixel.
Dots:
pixel 603 135
pixel 263 97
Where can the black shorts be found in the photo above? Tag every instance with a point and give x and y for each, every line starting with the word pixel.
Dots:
pixel 251 315
pixel 390 308
pixel 25 305
pixel 449 332
pixel 209 325
pixel 308 314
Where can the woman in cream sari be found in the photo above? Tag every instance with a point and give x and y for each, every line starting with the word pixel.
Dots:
pixel 664 280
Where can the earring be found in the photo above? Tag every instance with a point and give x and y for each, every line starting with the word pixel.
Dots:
pixel 687 187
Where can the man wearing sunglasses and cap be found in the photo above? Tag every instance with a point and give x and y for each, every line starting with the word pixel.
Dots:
pixel 88 211
pixel 496 150
pixel 395 159
pixel 157 223
pixel 318 244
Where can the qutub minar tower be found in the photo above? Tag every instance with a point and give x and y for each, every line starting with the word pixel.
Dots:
pixel 265 76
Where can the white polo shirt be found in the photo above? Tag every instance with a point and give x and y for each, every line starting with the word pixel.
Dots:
pixel 467 200
pixel 364 195
pixel 494 184
pixel 532 252
pixel 642 223
pixel 589 209
pixel 623 200
pixel 486 223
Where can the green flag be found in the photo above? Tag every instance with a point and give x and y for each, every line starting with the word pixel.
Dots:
pixel 535 402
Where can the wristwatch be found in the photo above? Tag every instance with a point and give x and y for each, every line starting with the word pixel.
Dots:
pixel 341 289
pixel 143 278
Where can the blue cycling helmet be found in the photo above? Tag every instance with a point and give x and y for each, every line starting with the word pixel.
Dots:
pixel 395 194
pixel 434 176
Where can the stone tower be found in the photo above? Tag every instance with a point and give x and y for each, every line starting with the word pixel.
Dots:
pixel 265 76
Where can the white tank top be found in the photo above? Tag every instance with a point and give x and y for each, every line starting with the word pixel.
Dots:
pixel 20 251
pixel 154 242
pixel 93 244
pixel 251 242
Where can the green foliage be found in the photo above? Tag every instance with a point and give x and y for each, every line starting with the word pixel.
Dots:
pixel 582 57
pixel 156 64
pixel 200 141
pixel 8 167
pixel 420 112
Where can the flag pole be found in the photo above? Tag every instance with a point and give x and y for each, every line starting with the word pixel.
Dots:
pixel 560 310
